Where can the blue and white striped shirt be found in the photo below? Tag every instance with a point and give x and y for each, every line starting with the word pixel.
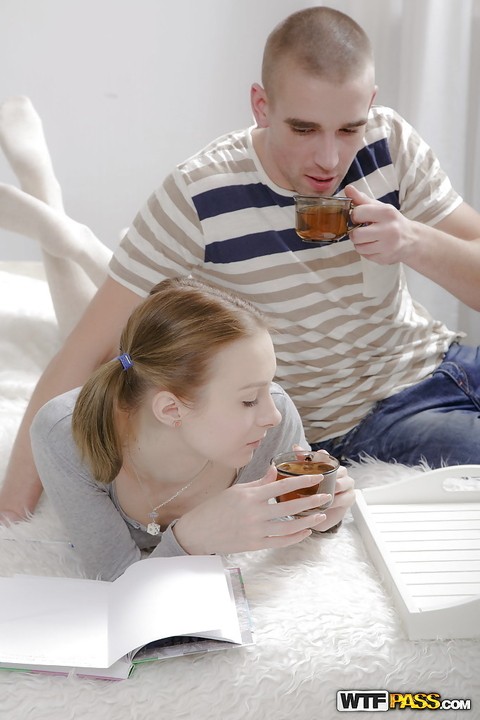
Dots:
pixel 219 217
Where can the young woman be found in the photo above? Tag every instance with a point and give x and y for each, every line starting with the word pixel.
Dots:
pixel 167 447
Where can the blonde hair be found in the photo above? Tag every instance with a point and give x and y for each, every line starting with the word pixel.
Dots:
pixel 171 337
pixel 321 41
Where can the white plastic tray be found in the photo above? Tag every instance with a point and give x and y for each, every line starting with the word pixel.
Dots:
pixel 423 535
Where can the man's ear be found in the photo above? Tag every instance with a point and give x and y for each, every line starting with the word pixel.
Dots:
pixel 259 103
pixel 166 408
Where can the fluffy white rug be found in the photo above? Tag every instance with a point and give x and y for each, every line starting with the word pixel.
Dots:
pixel 324 622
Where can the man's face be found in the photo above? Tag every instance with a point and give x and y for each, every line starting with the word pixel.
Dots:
pixel 311 128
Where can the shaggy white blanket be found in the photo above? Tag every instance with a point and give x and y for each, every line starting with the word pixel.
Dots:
pixel 323 619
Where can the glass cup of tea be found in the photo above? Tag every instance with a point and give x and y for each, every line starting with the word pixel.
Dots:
pixel 308 462
pixel 323 219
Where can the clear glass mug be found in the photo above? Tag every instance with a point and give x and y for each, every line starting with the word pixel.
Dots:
pixel 323 219
pixel 308 462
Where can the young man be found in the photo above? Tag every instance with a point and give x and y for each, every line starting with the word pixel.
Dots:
pixel 369 370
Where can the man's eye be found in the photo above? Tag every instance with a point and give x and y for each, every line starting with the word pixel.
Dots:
pixel 250 403
pixel 302 130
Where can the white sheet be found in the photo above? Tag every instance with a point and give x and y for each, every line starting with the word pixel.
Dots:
pixel 323 619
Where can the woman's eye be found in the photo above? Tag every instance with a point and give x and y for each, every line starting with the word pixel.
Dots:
pixel 250 403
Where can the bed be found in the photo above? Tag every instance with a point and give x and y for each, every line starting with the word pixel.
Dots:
pixel 323 619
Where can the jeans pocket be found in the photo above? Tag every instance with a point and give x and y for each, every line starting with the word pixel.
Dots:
pixel 460 377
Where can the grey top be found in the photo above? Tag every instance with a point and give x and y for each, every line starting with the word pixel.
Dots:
pixel 107 540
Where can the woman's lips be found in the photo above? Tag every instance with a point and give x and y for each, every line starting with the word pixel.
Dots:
pixel 256 443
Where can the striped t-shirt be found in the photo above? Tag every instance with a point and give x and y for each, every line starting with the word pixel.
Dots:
pixel 220 218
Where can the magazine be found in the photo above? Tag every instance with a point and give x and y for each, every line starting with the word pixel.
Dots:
pixel 159 608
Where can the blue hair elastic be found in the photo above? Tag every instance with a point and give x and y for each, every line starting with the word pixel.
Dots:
pixel 126 360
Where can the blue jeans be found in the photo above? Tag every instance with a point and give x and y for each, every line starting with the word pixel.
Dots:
pixel 437 420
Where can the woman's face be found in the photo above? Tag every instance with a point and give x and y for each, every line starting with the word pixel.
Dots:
pixel 235 408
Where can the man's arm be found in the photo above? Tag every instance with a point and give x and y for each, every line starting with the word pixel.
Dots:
pixel 93 341
pixel 443 256
pixel 448 254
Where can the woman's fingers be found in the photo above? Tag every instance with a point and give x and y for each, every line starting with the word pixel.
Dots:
pixel 307 503
pixel 270 487
pixel 333 517
pixel 290 531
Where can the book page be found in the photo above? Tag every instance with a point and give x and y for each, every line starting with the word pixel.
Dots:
pixel 188 644
pixel 161 597
pixel 53 621
pixel 91 623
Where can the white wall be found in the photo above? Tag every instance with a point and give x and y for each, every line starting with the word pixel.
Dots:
pixel 129 88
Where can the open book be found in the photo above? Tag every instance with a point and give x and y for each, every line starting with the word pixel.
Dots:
pixel 98 628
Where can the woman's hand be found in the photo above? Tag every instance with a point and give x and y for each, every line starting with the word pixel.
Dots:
pixel 245 517
pixel 343 499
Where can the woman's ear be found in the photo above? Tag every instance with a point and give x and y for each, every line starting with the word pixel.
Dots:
pixel 166 408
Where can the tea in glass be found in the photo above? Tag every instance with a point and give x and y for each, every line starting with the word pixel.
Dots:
pixel 308 463
pixel 323 219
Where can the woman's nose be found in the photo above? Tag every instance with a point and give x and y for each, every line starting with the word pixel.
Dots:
pixel 272 417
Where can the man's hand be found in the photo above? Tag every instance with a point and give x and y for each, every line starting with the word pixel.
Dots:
pixel 387 236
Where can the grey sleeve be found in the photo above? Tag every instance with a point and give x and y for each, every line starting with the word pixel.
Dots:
pixel 93 524
pixel 100 535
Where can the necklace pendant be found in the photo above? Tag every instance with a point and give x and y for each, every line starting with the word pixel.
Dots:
pixel 153 528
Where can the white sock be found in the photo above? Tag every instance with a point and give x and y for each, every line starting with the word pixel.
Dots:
pixel 74 258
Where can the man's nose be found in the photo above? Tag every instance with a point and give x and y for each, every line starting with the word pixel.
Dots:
pixel 326 152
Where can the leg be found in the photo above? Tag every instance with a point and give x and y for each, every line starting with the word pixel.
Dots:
pixel 437 436
pixel 75 260
pixel 24 145
pixel 436 420
pixel 59 236
pixel 75 263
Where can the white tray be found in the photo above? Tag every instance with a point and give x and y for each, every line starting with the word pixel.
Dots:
pixel 423 535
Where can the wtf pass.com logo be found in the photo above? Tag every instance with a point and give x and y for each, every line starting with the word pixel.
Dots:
pixel 382 700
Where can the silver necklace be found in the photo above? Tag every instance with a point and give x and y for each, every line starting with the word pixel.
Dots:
pixel 153 528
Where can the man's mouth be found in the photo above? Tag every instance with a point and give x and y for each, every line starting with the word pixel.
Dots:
pixel 321 184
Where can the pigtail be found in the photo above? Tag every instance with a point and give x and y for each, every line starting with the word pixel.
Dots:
pixel 171 338
pixel 94 420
